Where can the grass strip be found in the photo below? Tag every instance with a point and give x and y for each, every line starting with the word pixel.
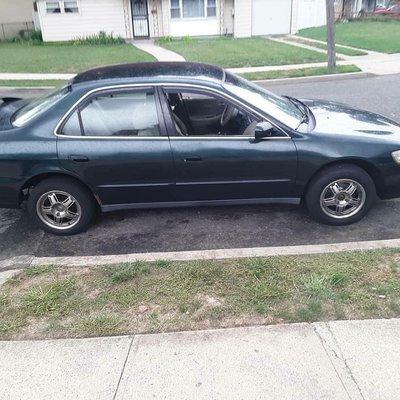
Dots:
pixel 301 72
pixel 339 49
pixel 48 302
pixel 31 83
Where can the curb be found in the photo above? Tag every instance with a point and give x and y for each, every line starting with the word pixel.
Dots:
pixel 318 78
pixel 219 254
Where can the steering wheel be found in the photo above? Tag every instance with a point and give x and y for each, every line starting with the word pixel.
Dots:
pixel 228 113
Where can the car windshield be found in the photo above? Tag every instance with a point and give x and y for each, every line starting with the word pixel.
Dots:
pixel 276 106
pixel 36 107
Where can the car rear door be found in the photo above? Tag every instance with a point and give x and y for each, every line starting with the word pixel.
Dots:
pixel 217 167
pixel 115 141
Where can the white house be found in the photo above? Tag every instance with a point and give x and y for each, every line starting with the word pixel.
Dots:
pixel 65 20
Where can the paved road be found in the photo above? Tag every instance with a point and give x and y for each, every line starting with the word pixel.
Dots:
pixel 225 227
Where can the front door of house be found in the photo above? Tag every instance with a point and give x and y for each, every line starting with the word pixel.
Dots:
pixel 140 18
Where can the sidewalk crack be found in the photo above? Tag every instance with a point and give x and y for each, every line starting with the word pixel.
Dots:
pixel 123 367
pixel 343 359
pixel 335 351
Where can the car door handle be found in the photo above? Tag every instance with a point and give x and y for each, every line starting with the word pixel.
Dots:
pixel 191 159
pixel 78 158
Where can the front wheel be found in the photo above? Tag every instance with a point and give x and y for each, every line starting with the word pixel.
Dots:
pixel 340 195
pixel 61 206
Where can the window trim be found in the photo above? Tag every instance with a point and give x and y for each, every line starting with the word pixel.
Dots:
pixel 182 18
pixel 85 100
pixel 161 103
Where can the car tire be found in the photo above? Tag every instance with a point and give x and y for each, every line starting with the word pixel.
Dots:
pixel 340 195
pixel 61 206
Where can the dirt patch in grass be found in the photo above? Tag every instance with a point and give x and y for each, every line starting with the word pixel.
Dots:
pixel 48 302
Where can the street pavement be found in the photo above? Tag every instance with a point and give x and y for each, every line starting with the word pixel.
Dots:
pixel 219 227
pixel 342 360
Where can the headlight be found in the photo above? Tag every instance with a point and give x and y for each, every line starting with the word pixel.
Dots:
pixel 396 156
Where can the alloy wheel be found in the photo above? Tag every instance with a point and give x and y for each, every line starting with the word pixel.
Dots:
pixel 58 209
pixel 342 198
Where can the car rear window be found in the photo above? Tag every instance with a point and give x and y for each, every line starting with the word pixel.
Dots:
pixel 38 106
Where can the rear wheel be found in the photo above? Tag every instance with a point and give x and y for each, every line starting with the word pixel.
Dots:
pixel 61 206
pixel 340 195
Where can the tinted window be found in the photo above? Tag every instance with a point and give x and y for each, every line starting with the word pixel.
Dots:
pixel 38 106
pixel 276 106
pixel 117 114
pixel 201 114
pixel 72 127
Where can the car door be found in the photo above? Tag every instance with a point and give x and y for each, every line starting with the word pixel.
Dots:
pixel 115 141
pixel 230 166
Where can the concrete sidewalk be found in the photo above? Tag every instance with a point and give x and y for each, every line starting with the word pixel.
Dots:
pixel 160 53
pixel 336 360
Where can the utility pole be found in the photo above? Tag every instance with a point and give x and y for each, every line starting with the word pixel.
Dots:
pixel 330 37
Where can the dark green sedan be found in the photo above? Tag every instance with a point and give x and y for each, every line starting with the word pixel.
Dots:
pixel 185 134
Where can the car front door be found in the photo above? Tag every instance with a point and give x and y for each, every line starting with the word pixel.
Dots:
pixel 225 162
pixel 115 141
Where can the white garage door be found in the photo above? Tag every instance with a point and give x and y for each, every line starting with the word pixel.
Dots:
pixel 271 17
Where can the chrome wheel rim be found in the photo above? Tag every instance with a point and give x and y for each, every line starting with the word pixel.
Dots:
pixel 59 210
pixel 342 198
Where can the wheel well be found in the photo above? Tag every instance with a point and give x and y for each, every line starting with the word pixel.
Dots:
pixel 369 168
pixel 32 182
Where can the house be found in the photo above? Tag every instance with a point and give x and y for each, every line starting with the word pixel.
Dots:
pixel 66 20
pixel 15 16
pixel 353 8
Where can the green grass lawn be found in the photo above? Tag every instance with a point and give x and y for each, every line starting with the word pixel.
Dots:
pixel 67 58
pixel 296 73
pixel 30 83
pixel 231 53
pixel 48 302
pixel 339 49
pixel 382 36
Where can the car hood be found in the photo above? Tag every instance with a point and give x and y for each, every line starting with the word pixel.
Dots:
pixel 8 106
pixel 337 118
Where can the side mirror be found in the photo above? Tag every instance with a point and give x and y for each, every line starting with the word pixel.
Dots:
pixel 263 129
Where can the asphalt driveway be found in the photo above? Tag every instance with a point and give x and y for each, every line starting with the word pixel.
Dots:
pixel 222 227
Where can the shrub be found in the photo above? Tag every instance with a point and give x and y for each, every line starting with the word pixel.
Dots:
pixel 30 37
pixel 99 38
pixel 165 39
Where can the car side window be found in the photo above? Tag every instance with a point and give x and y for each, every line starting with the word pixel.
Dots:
pixel 202 114
pixel 116 114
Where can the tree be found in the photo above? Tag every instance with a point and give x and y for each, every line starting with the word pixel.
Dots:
pixel 330 36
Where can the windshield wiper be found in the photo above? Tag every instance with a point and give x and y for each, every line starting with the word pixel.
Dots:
pixel 302 107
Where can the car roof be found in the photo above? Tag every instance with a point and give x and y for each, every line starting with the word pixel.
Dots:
pixel 152 71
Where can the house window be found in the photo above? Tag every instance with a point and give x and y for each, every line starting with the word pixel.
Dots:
pixel 193 9
pixel 53 7
pixel 211 8
pixel 175 9
pixel 71 6
pixel 58 7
